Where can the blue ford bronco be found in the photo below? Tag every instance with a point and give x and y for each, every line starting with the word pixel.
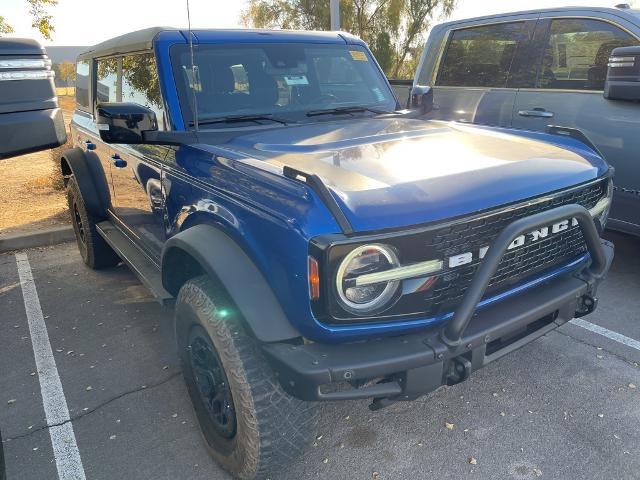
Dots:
pixel 316 242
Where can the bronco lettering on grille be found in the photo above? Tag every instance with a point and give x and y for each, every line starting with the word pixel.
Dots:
pixel 525 239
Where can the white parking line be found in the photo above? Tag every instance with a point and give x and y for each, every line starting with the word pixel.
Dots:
pixel 605 332
pixel 63 439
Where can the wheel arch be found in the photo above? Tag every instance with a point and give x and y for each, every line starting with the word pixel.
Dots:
pixel 206 249
pixel 90 177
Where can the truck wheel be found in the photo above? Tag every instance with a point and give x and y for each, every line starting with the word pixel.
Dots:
pixel 95 252
pixel 251 426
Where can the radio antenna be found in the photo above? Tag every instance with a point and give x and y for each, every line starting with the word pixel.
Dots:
pixel 195 77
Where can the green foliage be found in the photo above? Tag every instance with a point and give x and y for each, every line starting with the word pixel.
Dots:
pixel 41 20
pixel 65 71
pixel 394 29
pixel 4 27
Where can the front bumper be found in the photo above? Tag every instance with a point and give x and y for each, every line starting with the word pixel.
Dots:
pixel 408 366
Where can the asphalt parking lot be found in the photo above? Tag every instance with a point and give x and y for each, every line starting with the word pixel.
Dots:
pixel 565 406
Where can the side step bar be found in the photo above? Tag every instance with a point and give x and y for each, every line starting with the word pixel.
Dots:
pixel 143 267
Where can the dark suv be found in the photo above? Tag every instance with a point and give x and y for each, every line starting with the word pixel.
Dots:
pixel 318 243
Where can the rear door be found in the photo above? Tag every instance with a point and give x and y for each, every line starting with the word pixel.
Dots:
pixel 474 79
pixel 84 129
pixel 571 54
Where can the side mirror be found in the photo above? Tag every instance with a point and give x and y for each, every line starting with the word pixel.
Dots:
pixel 422 98
pixel 30 119
pixel 623 76
pixel 125 122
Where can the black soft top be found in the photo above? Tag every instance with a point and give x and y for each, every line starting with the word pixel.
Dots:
pixel 129 42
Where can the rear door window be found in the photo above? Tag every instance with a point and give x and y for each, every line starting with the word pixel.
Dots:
pixel 577 52
pixel 82 84
pixel 481 56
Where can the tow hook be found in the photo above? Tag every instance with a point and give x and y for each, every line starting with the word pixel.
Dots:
pixel 586 304
pixel 459 370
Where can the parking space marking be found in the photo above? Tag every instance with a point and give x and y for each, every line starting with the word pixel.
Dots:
pixel 605 332
pixel 63 439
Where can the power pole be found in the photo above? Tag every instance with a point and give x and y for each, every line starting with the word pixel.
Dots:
pixel 335 14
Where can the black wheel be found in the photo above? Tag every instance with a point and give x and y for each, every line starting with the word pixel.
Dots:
pixel 95 252
pixel 252 428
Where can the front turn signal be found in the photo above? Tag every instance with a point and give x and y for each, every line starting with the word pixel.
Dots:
pixel 314 279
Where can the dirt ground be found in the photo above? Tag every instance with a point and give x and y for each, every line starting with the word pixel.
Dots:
pixel 29 200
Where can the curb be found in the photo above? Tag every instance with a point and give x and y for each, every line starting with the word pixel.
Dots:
pixel 43 238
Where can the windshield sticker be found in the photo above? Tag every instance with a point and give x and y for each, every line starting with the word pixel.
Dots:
pixel 358 55
pixel 378 93
pixel 296 80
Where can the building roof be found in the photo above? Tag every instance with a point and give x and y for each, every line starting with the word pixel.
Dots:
pixel 143 39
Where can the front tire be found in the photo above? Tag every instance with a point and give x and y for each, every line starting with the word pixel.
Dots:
pixel 95 252
pixel 251 426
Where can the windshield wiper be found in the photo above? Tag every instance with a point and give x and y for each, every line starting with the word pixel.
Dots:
pixel 241 118
pixel 343 110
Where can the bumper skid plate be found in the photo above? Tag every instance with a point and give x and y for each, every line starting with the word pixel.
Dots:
pixel 408 366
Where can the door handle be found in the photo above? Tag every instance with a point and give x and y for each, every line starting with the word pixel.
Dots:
pixel 117 161
pixel 536 112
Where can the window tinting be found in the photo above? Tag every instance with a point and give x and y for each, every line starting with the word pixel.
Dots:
pixel 481 56
pixel 133 78
pixel 82 84
pixel 577 53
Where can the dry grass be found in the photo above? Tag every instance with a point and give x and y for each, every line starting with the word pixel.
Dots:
pixel 67 103
pixel 31 190
pixel 27 198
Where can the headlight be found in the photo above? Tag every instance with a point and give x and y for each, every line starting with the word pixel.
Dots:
pixel 372 297
pixel 600 211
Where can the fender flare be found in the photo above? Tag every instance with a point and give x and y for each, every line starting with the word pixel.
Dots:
pixel 89 175
pixel 223 260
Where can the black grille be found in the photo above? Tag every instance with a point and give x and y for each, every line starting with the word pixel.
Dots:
pixel 470 235
pixel 517 265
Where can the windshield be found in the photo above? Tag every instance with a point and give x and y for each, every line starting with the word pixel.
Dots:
pixel 284 80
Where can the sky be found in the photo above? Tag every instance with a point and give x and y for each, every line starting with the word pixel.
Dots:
pixel 87 22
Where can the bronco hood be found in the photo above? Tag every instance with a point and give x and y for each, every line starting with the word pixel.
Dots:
pixel 389 173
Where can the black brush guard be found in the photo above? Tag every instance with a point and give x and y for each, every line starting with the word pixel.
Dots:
pixel 407 366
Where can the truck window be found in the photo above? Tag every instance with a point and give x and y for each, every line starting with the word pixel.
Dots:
pixel 132 78
pixel 480 56
pixel 82 85
pixel 577 53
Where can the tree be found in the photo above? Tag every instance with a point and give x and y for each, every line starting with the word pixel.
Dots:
pixel 66 71
pixel 4 27
pixel 394 29
pixel 41 19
